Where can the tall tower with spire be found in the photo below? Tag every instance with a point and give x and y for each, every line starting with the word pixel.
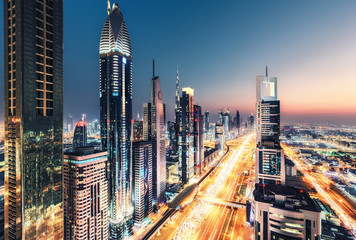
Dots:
pixel 115 119
pixel 158 142
pixel 177 95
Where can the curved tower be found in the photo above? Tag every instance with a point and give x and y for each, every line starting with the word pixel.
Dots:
pixel 116 117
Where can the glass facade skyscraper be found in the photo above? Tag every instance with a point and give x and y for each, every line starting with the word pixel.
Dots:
pixel 33 75
pixel 115 118
pixel 270 162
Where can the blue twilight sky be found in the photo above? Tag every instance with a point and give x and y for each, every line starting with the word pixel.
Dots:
pixel 220 47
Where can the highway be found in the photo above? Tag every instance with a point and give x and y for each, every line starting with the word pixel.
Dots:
pixel 202 220
pixel 322 185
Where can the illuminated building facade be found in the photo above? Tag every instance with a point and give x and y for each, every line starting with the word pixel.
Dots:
pixel 85 194
pixel 137 130
pixel 186 138
pixel 158 138
pixel 33 93
pixel 147 132
pixel 115 119
pixel 198 131
pixel 142 180
pixel 80 136
pixel 285 213
pixel 270 161
pixel 207 125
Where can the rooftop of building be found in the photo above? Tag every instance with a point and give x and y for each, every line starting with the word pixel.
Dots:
pixel 84 151
pixel 285 197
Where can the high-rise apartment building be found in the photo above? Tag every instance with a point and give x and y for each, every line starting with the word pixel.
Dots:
pixel 158 138
pixel 142 180
pixel 85 194
pixel 270 161
pixel 186 138
pixel 115 118
pixel 207 121
pixel 198 132
pixel 33 93
pixel 80 136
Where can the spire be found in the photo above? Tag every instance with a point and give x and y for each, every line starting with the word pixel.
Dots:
pixel 109 8
pixel 266 71
pixel 153 68
pixel 177 93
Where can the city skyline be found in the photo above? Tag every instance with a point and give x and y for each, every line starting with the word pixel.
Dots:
pixel 311 52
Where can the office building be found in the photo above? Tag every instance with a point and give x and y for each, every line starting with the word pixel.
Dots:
pixel 186 138
pixel 85 194
pixel 198 132
pixel 115 119
pixel 69 124
pixel 285 213
pixel 270 161
pixel 158 131
pixel 80 136
pixel 142 180
pixel 33 93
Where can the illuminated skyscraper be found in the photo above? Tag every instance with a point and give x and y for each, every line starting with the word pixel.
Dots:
pixel 147 132
pixel 198 140
pixel 115 118
pixel 142 179
pixel 33 75
pixel 186 138
pixel 80 134
pixel 158 131
pixel 270 162
pixel 177 95
pixel 85 194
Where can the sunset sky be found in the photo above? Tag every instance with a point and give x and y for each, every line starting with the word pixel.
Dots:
pixel 220 47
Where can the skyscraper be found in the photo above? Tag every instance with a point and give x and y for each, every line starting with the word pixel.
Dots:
pixel 115 118
pixel 147 132
pixel 177 96
pixel 198 140
pixel 80 134
pixel 33 75
pixel 186 138
pixel 142 179
pixel 85 194
pixel 158 131
pixel 270 162
pixel 237 121
pixel 207 122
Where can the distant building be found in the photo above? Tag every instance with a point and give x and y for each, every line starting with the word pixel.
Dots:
pixel 220 137
pixel 147 132
pixel 198 128
pixel 85 189
pixel 237 122
pixel 142 180
pixel 285 213
pixel 80 137
pixel 137 131
pixel 207 122
pixel 186 138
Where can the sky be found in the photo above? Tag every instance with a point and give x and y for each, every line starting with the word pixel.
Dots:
pixel 219 48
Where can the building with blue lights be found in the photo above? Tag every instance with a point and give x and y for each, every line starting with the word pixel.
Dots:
pixel 115 119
